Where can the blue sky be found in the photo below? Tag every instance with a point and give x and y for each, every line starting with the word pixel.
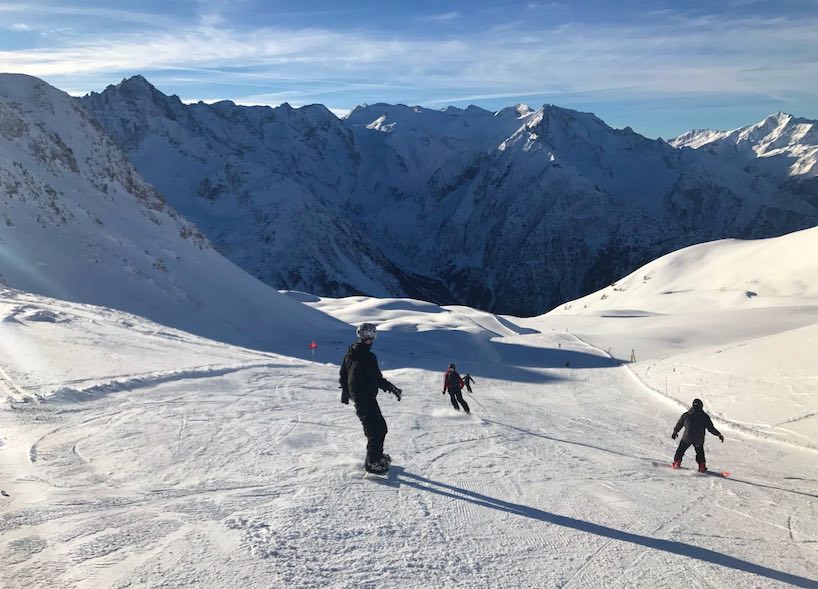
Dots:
pixel 660 67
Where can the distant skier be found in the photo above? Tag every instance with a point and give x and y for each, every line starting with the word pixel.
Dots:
pixel 695 421
pixel 467 380
pixel 360 380
pixel 454 385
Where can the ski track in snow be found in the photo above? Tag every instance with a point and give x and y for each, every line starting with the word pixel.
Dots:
pixel 250 475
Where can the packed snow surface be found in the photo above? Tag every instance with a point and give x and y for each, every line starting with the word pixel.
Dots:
pixel 732 321
pixel 134 455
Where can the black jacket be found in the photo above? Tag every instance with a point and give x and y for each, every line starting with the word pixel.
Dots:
pixel 695 421
pixel 452 381
pixel 360 375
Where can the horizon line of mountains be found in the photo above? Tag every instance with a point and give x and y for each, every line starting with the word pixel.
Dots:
pixel 513 212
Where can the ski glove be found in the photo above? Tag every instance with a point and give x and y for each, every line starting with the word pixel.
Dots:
pixel 396 391
pixel 721 437
pixel 674 435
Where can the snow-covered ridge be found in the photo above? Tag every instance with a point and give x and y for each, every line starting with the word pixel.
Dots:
pixel 732 321
pixel 785 145
pixel 512 211
pixel 80 224
pixel 728 274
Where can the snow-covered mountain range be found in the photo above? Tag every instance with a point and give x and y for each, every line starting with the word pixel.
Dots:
pixel 80 224
pixel 781 146
pixel 514 211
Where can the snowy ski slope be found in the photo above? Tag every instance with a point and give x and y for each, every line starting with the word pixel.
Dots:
pixel 134 455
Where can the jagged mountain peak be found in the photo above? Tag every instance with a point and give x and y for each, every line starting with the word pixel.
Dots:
pixel 138 87
pixel 80 224
pixel 137 81
pixel 777 120
pixel 519 111
pixel 454 124
pixel 688 138
pixel 369 112
pixel 439 204
pixel 317 110
pixel 523 109
pixel 137 90
pixel 781 146
pixel 567 116
pixel 782 117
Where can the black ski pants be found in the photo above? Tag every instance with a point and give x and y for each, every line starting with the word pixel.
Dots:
pixel 375 429
pixel 456 396
pixel 684 445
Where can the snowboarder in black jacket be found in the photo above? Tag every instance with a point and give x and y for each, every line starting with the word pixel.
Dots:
pixel 695 421
pixel 454 385
pixel 360 380
pixel 467 380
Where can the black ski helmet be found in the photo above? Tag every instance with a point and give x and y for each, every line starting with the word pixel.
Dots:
pixel 366 331
pixel 697 404
pixel 451 367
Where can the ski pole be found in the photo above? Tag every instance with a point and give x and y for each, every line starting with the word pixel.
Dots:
pixel 479 404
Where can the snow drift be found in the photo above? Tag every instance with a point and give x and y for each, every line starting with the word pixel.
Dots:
pixel 734 322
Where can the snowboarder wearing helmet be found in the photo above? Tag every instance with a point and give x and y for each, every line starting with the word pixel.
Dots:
pixel 454 385
pixel 694 421
pixel 360 380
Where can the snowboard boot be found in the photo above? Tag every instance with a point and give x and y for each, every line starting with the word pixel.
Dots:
pixel 387 459
pixel 377 468
pixel 676 464
pixel 702 467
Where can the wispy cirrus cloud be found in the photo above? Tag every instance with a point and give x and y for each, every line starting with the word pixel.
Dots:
pixel 42 11
pixel 656 59
pixel 667 54
pixel 442 17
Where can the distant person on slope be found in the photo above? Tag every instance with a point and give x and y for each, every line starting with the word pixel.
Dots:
pixel 467 380
pixel 360 380
pixel 454 385
pixel 694 421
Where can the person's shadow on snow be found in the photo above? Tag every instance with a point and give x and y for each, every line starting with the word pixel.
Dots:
pixel 399 476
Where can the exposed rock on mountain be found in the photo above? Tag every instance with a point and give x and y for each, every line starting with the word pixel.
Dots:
pixel 80 224
pixel 514 211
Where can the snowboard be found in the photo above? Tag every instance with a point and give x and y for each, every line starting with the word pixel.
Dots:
pixel 712 473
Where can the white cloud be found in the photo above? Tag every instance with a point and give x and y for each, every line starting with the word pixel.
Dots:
pixel 34 10
pixel 443 17
pixel 20 27
pixel 675 55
